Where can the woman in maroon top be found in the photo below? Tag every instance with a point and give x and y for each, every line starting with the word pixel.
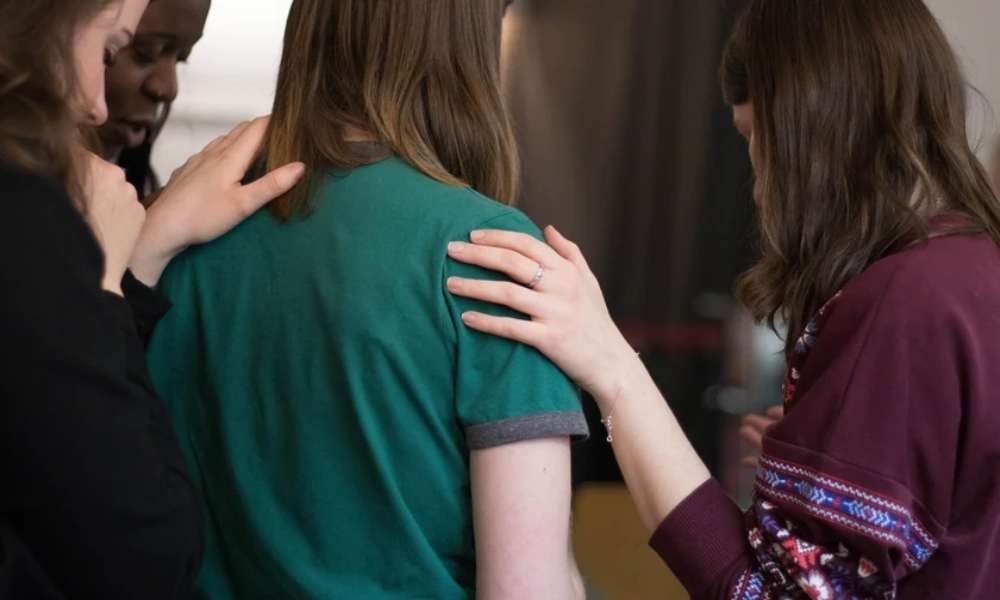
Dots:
pixel 880 252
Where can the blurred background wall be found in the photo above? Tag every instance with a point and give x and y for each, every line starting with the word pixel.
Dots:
pixel 627 147
pixel 229 77
pixel 231 73
pixel 972 27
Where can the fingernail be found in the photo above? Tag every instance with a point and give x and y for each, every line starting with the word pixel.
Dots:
pixel 468 318
pixel 475 236
pixel 452 283
pixel 456 247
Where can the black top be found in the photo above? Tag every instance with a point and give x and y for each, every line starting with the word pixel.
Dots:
pixel 95 501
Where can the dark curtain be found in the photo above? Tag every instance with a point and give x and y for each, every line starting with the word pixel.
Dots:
pixel 628 149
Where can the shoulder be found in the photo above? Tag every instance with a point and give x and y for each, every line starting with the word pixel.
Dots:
pixel 38 208
pixel 941 273
pixel 48 253
pixel 27 192
pixel 934 302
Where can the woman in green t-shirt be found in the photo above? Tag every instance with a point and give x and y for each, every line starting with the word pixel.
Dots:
pixel 351 438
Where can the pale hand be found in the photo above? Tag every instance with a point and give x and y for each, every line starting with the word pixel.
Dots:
pixel 114 214
pixel 569 323
pixel 205 198
pixel 753 429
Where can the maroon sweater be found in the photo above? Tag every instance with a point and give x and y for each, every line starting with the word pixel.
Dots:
pixel 883 479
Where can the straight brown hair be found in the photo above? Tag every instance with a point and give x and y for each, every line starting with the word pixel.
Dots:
pixel 37 80
pixel 422 76
pixel 860 139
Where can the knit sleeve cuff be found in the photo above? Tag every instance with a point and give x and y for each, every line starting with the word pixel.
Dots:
pixel 147 305
pixel 702 538
pixel 119 311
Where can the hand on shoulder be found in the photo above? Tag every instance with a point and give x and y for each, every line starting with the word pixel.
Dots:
pixel 205 198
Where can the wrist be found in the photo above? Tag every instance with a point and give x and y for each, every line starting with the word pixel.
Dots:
pixel 148 263
pixel 113 285
pixel 153 252
pixel 622 369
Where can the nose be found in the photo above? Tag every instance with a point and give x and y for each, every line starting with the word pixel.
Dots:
pixel 97 113
pixel 161 85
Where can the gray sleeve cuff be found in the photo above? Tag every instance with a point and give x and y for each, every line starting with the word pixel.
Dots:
pixel 530 427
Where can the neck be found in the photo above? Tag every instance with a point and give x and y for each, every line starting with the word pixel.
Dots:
pixel 356 134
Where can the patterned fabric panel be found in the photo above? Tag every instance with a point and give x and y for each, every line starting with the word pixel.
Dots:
pixel 799 355
pixel 792 567
pixel 845 505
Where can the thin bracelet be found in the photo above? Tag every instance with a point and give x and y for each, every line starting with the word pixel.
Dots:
pixel 609 426
pixel 608 421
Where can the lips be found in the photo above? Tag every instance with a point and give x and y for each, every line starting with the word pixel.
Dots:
pixel 134 131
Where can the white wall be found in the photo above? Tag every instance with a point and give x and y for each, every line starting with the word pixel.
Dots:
pixel 972 26
pixel 232 71
pixel 229 78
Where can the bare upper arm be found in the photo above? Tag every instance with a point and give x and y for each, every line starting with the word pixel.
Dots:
pixel 521 508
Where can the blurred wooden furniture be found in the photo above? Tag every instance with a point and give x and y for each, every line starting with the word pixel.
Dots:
pixel 612 551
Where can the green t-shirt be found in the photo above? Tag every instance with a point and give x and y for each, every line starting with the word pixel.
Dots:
pixel 326 393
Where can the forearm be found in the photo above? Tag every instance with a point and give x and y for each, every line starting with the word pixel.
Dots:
pixel 659 465
pixel 557 584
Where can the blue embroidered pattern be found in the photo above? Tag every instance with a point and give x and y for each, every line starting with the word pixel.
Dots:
pixel 847 506
pixel 750 586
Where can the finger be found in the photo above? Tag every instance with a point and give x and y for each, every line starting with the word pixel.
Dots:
pixel 776 412
pixel 245 146
pixel 267 188
pixel 749 461
pixel 525 332
pixel 224 139
pixel 567 249
pixel 758 422
pixel 519 242
pixel 234 134
pixel 513 264
pixel 752 436
pixel 504 293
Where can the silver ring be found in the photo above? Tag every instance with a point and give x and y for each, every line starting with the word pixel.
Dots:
pixel 539 275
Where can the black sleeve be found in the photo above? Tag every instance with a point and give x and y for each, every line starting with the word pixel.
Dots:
pixel 94 486
pixel 148 305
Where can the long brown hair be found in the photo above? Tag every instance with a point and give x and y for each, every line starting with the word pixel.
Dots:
pixel 860 137
pixel 37 77
pixel 422 76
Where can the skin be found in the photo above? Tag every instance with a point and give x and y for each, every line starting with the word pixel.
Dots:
pixel 521 519
pixel 204 198
pixel 569 323
pixel 96 43
pixel 142 80
pixel 754 427
pixel 113 213
pixel 743 121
